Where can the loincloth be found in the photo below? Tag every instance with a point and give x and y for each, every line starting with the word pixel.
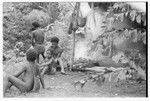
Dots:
pixel 40 48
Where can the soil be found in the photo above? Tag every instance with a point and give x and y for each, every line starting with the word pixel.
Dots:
pixel 59 85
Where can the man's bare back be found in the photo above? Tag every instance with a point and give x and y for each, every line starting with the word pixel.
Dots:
pixel 38 36
pixel 38 40
pixel 30 72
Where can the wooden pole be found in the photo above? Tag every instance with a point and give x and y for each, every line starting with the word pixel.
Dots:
pixel 73 50
pixel 75 25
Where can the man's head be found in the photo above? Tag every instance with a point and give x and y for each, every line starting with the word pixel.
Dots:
pixel 31 54
pixel 54 41
pixel 35 25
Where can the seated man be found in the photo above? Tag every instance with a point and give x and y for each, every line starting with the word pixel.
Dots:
pixel 54 57
pixel 31 77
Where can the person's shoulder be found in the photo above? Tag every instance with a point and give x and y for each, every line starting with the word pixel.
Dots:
pixel 50 48
pixel 36 31
pixel 41 29
pixel 60 48
pixel 24 65
pixel 37 65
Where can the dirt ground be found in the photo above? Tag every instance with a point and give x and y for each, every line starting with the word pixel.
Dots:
pixel 59 85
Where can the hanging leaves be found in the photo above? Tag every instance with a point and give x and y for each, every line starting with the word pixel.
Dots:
pixel 127 33
pixel 120 17
pixel 138 19
pixel 144 37
pixel 143 18
pixel 134 35
pixel 133 15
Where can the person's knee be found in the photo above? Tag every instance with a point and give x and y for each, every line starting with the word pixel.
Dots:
pixel 6 76
pixel 38 55
pixel 43 55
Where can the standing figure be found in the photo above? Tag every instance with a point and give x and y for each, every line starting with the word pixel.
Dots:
pixel 38 38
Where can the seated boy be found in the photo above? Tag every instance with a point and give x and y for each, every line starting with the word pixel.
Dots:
pixel 53 55
pixel 31 77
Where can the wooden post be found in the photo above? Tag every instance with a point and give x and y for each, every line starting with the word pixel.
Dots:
pixel 73 50
pixel 73 32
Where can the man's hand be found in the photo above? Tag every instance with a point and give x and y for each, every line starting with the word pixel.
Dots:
pixel 55 60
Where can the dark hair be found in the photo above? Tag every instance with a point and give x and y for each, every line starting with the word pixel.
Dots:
pixel 35 25
pixel 31 55
pixel 54 39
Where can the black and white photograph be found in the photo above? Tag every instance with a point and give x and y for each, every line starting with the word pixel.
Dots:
pixel 75 49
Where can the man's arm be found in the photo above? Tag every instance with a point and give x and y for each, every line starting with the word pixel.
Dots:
pixel 33 35
pixel 59 55
pixel 41 77
pixel 49 56
pixel 42 80
pixel 47 63
pixel 20 72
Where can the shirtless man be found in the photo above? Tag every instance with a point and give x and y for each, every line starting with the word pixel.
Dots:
pixel 38 40
pixel 54 56
pixel 31 78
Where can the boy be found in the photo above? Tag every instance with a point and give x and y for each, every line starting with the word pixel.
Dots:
pixel 54 56
pixel 31 75
pixel 38 40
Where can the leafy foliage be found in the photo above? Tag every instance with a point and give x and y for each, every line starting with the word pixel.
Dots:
pixel 18 17
pixel 124 23
pixel 121 21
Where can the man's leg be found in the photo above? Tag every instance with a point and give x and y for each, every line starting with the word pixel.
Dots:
pixel 61 65
pixel 43 51
pixel 37 58
pixel 46 68
pixel 5 82
pixel 15 81
pixel 44 71
pixel 43 56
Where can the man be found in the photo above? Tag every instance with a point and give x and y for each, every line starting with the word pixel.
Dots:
pixel 31 78
pixel 54 56
pixel 38 38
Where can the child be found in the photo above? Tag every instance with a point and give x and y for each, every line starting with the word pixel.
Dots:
pixel 54 55
pixel 31 75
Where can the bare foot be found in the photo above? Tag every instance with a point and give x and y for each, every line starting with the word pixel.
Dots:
pixel 63 73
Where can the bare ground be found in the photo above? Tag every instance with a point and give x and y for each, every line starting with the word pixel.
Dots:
pixel 59 85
